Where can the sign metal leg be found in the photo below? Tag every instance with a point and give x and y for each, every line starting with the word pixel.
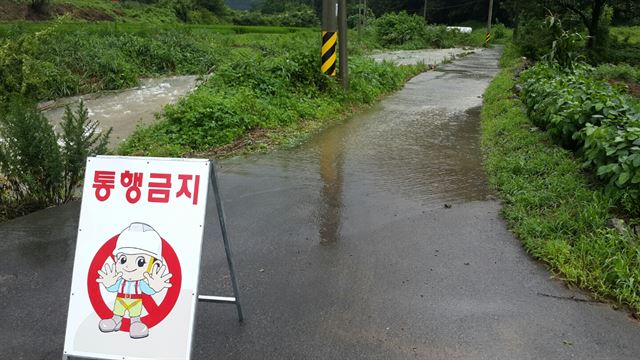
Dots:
pixel 225 238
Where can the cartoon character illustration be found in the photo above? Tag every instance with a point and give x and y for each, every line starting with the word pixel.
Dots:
pixel 138 270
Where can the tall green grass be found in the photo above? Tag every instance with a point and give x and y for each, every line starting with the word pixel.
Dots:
pixel 627 33
pixel 48 61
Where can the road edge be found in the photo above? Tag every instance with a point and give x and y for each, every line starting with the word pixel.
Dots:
pixel 548 202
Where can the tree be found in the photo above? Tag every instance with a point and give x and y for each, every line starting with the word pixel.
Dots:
pixel 39 5
pixel 215 6
pixel 590 12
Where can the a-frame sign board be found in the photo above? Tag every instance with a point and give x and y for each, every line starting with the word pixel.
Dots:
pixel 136 270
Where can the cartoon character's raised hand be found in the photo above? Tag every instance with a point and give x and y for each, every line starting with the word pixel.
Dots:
pixel 109 276
pixel 157 279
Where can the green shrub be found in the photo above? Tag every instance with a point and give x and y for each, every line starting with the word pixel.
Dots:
pixel 299 16
pixel 394 29
pixel 533 38
pixel 591 117
pixel 30 158
pixel 622 52
pixel 624 72
pixel 81 138
pixel 499 31
pixel 41 168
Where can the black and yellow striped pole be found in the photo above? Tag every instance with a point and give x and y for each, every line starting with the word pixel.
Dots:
pixel 329 36
pixel 487 40
pixel 329 40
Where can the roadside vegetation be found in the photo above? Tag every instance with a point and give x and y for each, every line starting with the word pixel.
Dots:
pixel 561 136
pixel 562 214
pixel 276 85
pixel 39 168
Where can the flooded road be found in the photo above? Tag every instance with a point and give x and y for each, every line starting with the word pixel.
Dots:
pixel 372 241
pixel 427 56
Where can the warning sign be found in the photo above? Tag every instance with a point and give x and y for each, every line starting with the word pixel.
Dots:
pixel 137 259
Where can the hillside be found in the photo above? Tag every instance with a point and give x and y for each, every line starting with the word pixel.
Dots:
pixel 239 4
pixel 90 10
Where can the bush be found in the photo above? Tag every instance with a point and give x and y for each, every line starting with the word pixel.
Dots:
pixel 394 29
pixel 41 168
pixel 499 31
pixel 590 117
pixel 622 52
pixel 624 72
pixel 401 30
pixel 533 38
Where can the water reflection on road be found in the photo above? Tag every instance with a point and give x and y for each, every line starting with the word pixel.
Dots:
pixel 331 149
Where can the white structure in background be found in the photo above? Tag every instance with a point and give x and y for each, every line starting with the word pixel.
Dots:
pixel 462 29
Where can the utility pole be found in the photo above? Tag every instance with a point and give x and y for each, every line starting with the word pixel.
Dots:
pixel 490 16
pixel 488 38
pixel 359 16
pixel 366 22
pixel 342 33
pixel 425 10
pixel 329 36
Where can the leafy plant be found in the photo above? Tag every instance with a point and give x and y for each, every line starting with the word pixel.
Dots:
pixel 559 215
pixel 565 44
pixel 30 158
pixel 623 72
pixel 591 117
pixel 39 167
pixel 81 138
pixel 400 29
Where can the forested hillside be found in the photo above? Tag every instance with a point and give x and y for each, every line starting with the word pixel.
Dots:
pixel 239 4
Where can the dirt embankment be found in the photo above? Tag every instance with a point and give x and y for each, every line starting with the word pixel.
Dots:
pixel 11 11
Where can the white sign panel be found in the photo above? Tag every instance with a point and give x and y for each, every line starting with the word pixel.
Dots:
pixel 137 259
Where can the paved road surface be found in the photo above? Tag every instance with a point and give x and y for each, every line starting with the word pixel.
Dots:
pixel 345 251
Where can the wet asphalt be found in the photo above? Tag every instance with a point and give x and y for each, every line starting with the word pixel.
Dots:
pixel 345 250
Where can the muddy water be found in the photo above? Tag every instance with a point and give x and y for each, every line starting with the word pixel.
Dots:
pixel 418 148
pixel 426 56
pixel 125 110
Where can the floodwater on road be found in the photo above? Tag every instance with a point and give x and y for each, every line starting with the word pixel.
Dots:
pixel 374 240
pixel 426 56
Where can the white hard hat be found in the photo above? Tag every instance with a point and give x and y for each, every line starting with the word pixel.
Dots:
pixel 139 238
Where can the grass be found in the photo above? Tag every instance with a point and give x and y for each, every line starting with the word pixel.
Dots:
pixel 549 203
pixel 92 28
pixel 632 33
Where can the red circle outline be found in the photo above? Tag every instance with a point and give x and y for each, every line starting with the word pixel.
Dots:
pixel 156 313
